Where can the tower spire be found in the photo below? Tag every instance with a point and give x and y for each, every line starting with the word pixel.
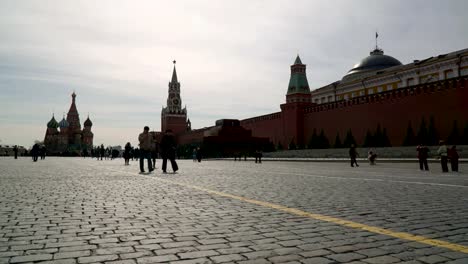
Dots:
pixel 376 38
pixel 174 73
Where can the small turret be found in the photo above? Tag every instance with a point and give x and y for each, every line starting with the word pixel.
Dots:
pixel 88 123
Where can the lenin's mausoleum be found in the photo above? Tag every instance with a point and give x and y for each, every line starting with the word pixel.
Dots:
pixel 379 99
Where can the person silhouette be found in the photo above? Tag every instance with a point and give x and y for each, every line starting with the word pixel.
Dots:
pixel 146 142
pixel 168 150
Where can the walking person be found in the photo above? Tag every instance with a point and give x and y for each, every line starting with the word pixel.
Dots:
pixel 453 156
pixel 35 152
pixel 371 155
pixel 199 154
pixel 194 155
pixel 423 153
pixel 168 150
pixel 15 150
pixel 258 156
pixel 146 141
pixel 127 153
pixel 101 151
pixel 443 153
pixel 43 152
pixel 353 154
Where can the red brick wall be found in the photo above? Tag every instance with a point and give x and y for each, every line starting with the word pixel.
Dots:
pixel 445 101
pixel 270 126
pixel 393 113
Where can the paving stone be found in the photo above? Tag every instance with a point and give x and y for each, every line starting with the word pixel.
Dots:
pixel 317 260
pixel 259 254
pixel 372 252
pixel 433 259
pixel 31 258
pixel 346 257
pixel 458 261
pixel 227 258
pixel 137 254
pixel 101 258
pixel 157 259
pixel 315 253
pixel 193 261
pixel 179 244
pixel 72 254
pixel 127 261
pixel 59 261
pixel 114 250
pixel 197 254
pixel 255 261
pixel 382 260
pixel 284 258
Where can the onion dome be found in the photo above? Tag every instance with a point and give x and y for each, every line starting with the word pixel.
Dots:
pixel 63 123
pixel 52 123
pixel 87 122
pixel 374 62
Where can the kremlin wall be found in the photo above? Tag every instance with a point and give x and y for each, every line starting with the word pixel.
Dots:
pixel 378 94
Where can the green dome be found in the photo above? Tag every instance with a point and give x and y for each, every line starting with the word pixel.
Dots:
pixel 52 123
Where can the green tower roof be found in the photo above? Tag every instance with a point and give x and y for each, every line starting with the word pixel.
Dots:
pixel 298 81
pixel 298 60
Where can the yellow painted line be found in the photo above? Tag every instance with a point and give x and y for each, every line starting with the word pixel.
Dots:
pixel 338 221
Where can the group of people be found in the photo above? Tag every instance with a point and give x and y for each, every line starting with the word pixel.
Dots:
pixel 196 154
pixel 37 151
pixel 148 145
pixel 353 154
pixel 444 153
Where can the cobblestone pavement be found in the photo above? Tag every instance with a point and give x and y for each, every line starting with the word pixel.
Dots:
pixel 73 210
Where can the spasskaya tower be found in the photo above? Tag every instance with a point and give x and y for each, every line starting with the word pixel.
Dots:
pixel 173 116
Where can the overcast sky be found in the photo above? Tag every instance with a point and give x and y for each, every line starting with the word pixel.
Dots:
pixel 233 57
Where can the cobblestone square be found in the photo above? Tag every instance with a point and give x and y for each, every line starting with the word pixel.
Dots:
pixel 74 210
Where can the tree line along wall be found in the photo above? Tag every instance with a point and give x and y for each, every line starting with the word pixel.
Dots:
pixel 444 102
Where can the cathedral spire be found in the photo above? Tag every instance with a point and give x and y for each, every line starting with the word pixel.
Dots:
pixel 73 118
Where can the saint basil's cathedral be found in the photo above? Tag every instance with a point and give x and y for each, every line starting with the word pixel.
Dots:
pixel 67 136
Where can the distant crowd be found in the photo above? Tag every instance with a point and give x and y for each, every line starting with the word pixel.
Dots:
pixel 150 149
pixel 444 154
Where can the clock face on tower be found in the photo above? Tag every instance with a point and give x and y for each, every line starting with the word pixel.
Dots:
pixel 175 101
